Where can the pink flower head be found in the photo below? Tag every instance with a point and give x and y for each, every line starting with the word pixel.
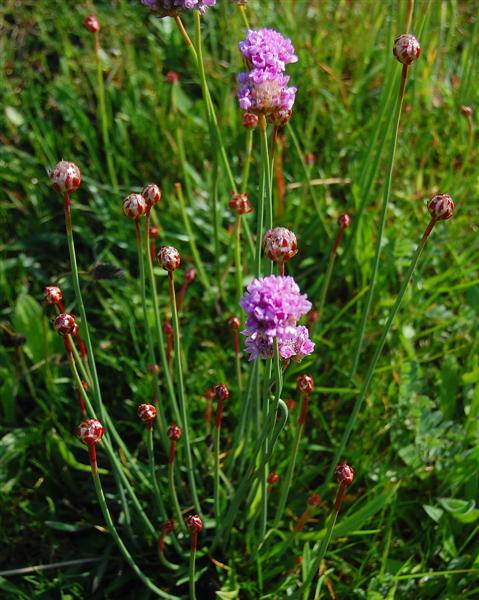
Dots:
pixel 267 50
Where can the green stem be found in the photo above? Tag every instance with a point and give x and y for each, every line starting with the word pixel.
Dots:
pixel 216 452
pixel 264 185
pixel 377 353
pixel 123 549
pixel 181 390
pixel 191 238
pixel 103 115
pixel 174 495
pixel 382 224
pixel 192 567
pixel 238 265
pixel 247 160
pixel 154 478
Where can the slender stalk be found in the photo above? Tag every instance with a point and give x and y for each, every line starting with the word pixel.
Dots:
pixel 382 224
pixel 181 391
pixel 172 486
pixel 216 452
pixel 159 329
pixel 191 572
pixel 247 160
pixel 238 265
pixel 266 165
pixel 242 9
pixel 287 480
pixel 103 114
pixel 123 549
pixel 377 353
pixel 149 337
pixel 191 238
pixel 329 272
pixel 151 461
pixel 261 204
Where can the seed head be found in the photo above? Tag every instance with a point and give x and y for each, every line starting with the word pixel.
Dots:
pixel 65 177
pixel 173 432
pixel 146 412
pixel 344 220
pixel 240 203
pixel 64 324
pixel 441 207
pixel 92 23
pixel 152 194
pixel 314 500
pixel 280 117
pixel 344 474
pixel 154 232
pixel 467 111
pixel 304 384
pixel 222 392
pixel 53 294
pixel 280 244
pixel 90 432
pixel 169 258
pixel 134 206
pixel 234 323
pixel 190 274
pixel 194 523
pixel 273 478
pixel 406 49
pixel 250 120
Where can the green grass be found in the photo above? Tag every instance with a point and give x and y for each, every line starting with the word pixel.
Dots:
pixel 408 528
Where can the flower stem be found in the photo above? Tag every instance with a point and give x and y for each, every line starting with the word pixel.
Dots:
pixel 159 329
pixel 103 114
pixel 238 265
pixel 179 381
pixel 382 224
pixel 123 549
pixel 171 483
pixel 154 478
pixel 329 272
pixel 216 452
pixel 191 238
pixel 194 541
pixel 377 353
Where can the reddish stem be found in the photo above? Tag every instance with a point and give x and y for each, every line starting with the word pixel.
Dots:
pixel 60 307
pixel 236 341
pixel 92 453
pixel 81 403
pixel 161 543
pixel 181 295
pixel 219 414
pixel 337 241
pixel 339 497
pixel 301 522
pixel 281 267
pixel 304 409
pixel 171 458
pixel 194 541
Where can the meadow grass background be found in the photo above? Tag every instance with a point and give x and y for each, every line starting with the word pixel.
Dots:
pixel 413 519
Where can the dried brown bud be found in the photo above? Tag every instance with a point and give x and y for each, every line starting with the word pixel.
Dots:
pixel 250 120
pixel 467 111
pixel 279 117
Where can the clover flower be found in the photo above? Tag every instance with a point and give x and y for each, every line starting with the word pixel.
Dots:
pixel 274 304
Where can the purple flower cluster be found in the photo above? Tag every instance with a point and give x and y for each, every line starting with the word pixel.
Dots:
pixel 172 7
pixel 274 304
pixel 264 88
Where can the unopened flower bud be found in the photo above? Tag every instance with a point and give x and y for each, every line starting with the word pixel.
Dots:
pixel 222 392
pixel 250 120
pixel 167 527
pixel 152 194
pixel 304 384
pixel 173 432
pixel 210 393
pixel 240 203
pixel 65 177
pixel 280 117
pixel 194 523
pixel 90 432
pixel 53 294
pixel 134 206
pixel 467 111
pixel 190 274
pixel 151 367
pixel 172 77
pixel 167 328
pixel 146 412
pixel 309 159
pixel 344 220
pixel 314 500
pixel 291 404
pixel 234 323
pixel 280 244
pixel 169 258
pixel 441 207
pixel 154 232
pixel 344 474
pixel 64 324
pixel 92 23
pixel 406 49
pixel 273 478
